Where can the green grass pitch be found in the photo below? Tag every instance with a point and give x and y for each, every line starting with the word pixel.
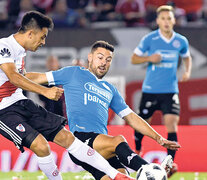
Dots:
pixel 86 176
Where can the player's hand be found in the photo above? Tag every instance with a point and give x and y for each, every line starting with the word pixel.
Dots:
pixel 54 93
pixel 168 144
pixel 155 58
pixel 185 77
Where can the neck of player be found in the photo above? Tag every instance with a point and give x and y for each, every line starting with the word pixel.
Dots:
pixel 167 34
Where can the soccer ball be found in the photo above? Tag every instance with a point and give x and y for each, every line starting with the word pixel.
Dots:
pixel 151 171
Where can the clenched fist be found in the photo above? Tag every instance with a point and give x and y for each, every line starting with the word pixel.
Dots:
pixel 54 93
pixel 155 58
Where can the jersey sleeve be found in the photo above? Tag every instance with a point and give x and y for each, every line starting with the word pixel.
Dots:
pixel 143 46
pixel 118 105
pixel 61 76
pixel 184 52
pixel 5 54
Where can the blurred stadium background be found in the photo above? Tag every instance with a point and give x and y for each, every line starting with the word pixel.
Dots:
pixel 78 23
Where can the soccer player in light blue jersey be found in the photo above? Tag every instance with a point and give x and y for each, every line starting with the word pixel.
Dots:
pixel 160 87
pixel 88 98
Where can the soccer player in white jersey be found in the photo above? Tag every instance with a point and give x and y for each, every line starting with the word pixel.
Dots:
pixel 88 98
pixel 160 87
pixel 26 123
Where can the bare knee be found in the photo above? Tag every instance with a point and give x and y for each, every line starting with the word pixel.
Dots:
pixel 118 139
pixel 40 146
pixel 64 138
pixel 171 122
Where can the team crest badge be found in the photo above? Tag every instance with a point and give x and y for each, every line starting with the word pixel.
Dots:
pixel 55 172
pixel 91 152
pixel 176 43
pixel 21 128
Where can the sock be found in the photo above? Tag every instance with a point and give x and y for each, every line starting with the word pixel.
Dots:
pixel 172 137
pixel 88 155
pixel 138 140
pixel 128 157
pixel 48 166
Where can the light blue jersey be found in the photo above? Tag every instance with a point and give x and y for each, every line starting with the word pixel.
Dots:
pixel 87 99
pixel 161 77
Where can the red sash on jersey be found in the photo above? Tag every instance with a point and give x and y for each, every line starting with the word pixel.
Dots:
pixel 7 89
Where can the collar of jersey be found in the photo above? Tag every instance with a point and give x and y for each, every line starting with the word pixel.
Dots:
pixel 17 46
pixel 164 38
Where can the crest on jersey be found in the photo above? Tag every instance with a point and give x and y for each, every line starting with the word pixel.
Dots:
pixel 21 128
pixel 176 43
pixel 5 52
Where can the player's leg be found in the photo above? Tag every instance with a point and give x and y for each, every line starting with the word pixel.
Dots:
pixel 45 159
pixel 171 110
pixel 138 139
pixel 14 127
pixel 171 122
pixel 88 138
pixel 109 146
pixel 83 152
pixel 51 126
pixel 97 174
pixel 148 105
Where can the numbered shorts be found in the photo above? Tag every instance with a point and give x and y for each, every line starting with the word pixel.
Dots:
pixel 88 138
pixel 24 120
pixel 167 103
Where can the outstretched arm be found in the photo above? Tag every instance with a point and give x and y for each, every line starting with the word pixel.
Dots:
pixel 39 78
pixel 140 125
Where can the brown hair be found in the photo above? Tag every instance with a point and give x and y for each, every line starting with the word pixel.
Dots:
pixel 102 44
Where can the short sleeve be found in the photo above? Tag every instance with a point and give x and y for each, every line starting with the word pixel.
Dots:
pixel 60 77
pixel 5 54
pixel 184 52
pixel 143 46
pixel 118 105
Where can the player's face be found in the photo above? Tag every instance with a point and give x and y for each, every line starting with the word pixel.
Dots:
pixel 37 39
pixel 166 21
pixel 100 62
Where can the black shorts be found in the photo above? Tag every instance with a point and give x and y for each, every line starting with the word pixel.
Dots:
pixel 24 120
pixel 167 103
pixel 88 138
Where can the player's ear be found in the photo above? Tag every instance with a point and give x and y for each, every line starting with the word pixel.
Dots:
pixel 174 22
pixel 89 57
pixel 157 21
pixel 29 34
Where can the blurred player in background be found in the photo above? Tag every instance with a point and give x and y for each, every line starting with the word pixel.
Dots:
pixel 160 87
pixel 79 62
pixel 26 123
pixel 88 98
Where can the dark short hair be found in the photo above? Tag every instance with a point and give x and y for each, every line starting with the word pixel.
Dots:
pixel 164 8
pixel 35 20
pixel 102 44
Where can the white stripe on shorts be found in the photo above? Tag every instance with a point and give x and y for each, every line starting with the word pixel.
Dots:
pixel 10 132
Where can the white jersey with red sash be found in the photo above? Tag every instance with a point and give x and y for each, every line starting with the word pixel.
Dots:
pixel 10 52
